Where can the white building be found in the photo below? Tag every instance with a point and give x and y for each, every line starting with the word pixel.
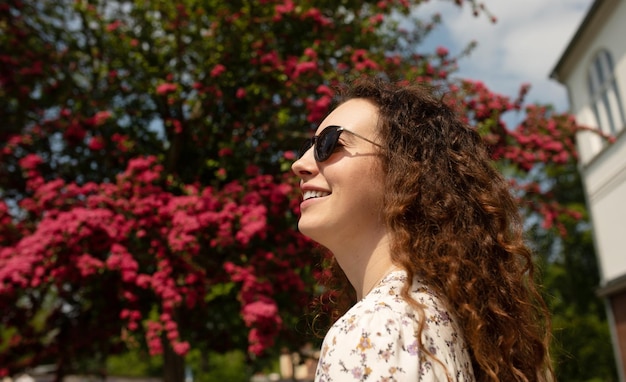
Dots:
pixel 593 68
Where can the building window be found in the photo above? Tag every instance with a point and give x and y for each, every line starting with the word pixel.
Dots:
pixel 605 97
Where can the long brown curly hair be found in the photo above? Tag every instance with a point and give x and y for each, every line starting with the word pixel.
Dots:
pixel 456 226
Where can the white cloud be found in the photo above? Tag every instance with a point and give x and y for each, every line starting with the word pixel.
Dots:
pixel 523 46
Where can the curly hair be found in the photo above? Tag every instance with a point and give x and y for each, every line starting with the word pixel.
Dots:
pixel 455 225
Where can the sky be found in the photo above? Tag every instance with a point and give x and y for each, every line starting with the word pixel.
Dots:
pixel 523 46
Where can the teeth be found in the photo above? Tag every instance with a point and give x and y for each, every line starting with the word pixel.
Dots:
pixel 314 194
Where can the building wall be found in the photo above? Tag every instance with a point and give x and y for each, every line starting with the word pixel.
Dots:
pixel 602 165
pixel 610 27
pixel 605 183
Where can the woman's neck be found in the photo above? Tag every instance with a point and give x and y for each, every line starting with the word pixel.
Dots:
pixel 365 262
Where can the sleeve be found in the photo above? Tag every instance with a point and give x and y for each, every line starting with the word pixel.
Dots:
pixel 375 346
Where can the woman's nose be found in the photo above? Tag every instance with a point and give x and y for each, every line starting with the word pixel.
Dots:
pixel 305 165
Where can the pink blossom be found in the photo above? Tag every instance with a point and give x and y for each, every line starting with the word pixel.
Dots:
pixel 155 346
pixel 224 152
pixel 96 143
pixel 316 15
pixel 377 19
pixel 310 53
pixel 121 260
pixel 170 326
pixel 270 59
pixel 264 311
pixel 123 142
pixel 229 267
pixel 88 265
pixel 217 70
pixel 34 70
pixel 191 279
pixel 153 337
pixel 325 90
pixel 113 26
pixel 172 335
pixel 101 117
pixel 124 314
pixel 259 340
pixel 253 222
pixel 178 126
pixel 561 157
pixel 30 162
pixel 182 242
pixel 303 67
pixel 128 295
pixel 442 51
pixel 166 88
pixel 152 238
pixel 553 146
pixel 255 342
pixel 280 193
pixel 143 280
pixel 142 170
pixel 318 108
pixel 252 170
pixel 286 7
pixel 16 270
pixel 181 348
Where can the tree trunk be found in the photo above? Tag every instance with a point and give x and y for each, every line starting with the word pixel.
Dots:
pixel 173 364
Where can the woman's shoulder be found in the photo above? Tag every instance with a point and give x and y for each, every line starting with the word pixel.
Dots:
pixel 384 307
pixel 379 336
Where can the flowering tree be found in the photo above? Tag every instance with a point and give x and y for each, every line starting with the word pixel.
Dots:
pixel 144 156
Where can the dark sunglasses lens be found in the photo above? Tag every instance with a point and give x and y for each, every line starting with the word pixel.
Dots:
pixel 326 142
pixel 305 147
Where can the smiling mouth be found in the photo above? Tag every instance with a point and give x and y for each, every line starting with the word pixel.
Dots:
pixel 314 194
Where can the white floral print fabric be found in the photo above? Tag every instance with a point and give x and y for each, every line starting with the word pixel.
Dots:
pixel 376 339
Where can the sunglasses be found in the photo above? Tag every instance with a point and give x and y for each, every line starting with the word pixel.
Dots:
pixel 326 142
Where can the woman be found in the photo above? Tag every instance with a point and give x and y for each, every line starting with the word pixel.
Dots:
pixel 426 232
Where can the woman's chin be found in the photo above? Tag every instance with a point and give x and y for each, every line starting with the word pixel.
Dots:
pixel 312 231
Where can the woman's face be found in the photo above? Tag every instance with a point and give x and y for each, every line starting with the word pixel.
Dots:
pixel 342 196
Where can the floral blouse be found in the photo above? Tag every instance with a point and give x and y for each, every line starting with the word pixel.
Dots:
pixel 376 339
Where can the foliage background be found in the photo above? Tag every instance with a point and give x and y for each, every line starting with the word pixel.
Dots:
pixel 146 206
